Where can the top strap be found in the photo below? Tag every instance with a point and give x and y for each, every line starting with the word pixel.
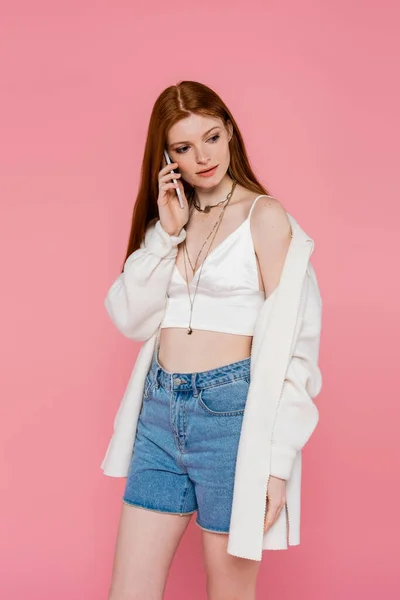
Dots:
pixel 252 206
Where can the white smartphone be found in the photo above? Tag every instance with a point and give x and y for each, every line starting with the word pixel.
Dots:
pixel 178 191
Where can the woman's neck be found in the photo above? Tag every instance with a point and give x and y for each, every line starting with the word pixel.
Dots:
pixel 215 194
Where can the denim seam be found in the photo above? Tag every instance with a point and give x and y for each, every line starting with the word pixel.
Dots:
pixel 190 388
pixel 176 438
pixel 184 496
pixel 211 530
pixel 231 380
pixel 184 425
pixel 216 413
pixel 168 512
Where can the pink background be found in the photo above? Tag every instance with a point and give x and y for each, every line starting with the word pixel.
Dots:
pixel 313 86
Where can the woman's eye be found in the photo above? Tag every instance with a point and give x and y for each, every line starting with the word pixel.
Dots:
pixel 212 139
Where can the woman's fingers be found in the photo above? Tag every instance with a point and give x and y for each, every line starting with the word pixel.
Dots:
pixel 167 168
pixel 169 186
pixel 276 500
pixel 273 512
pixel 168 177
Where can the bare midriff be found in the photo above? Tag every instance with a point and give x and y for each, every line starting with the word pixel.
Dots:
pixel 201 350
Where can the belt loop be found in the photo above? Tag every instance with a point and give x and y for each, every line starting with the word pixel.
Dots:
pixel 157 370
pixel 194 388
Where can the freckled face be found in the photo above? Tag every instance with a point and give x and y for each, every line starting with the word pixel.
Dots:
pixel 197 143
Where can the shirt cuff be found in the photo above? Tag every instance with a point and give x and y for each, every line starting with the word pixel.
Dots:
pixel 282 459
pixel 174 239
pixel 162 244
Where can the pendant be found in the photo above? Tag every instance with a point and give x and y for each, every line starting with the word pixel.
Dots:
pixel 207 208
pixel 189 331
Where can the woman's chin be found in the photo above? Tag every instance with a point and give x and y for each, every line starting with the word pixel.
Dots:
pixel 212 182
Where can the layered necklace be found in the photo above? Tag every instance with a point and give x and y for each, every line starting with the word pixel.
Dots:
pixel 212 233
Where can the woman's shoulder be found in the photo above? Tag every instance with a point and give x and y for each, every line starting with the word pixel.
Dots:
pixel 259 205
pixel 269 214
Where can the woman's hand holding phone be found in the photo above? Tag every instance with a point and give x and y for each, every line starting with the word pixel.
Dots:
pixel 172 216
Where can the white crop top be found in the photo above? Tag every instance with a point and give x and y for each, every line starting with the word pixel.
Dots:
pixel 228 297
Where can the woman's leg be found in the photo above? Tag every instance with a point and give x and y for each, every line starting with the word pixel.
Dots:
pixel 213 421
pixel 157 488
pixel 146 543
pixel 228 577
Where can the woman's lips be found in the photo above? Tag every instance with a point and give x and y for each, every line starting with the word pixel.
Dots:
pixel 208 173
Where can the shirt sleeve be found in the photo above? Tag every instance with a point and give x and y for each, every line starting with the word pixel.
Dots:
pixel 136 300
pixel 297 415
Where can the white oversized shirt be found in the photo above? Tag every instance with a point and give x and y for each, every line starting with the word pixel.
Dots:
pixel 280 414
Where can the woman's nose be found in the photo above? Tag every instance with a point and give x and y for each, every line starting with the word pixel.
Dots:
pixel 202 159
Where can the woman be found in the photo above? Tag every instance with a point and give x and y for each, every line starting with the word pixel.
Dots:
pixel 219 404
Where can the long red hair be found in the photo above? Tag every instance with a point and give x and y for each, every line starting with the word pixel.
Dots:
pixel 173 104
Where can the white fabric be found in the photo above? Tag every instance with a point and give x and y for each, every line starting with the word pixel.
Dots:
pixel 228 298
pixel 280 414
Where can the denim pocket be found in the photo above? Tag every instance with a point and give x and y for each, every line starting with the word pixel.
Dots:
pixel 225 399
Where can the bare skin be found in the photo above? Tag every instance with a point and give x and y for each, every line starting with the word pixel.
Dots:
pixel 228 577
pixel 146 544
pixel 147 540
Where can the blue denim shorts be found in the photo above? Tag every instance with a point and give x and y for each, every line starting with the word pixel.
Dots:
pixel 186 442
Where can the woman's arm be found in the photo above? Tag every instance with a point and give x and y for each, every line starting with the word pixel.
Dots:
pixel 136 300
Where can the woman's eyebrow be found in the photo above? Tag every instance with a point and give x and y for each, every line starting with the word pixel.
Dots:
pixel 206 133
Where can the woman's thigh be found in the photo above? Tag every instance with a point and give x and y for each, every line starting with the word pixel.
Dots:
pixel 228 576
pixel 146 543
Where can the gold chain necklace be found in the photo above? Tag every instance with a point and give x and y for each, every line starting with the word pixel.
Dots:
pixel 208 207
pixel 215 227
pixel 228 196
pixel 197 258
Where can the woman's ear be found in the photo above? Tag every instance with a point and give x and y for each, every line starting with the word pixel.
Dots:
pixel 229 128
